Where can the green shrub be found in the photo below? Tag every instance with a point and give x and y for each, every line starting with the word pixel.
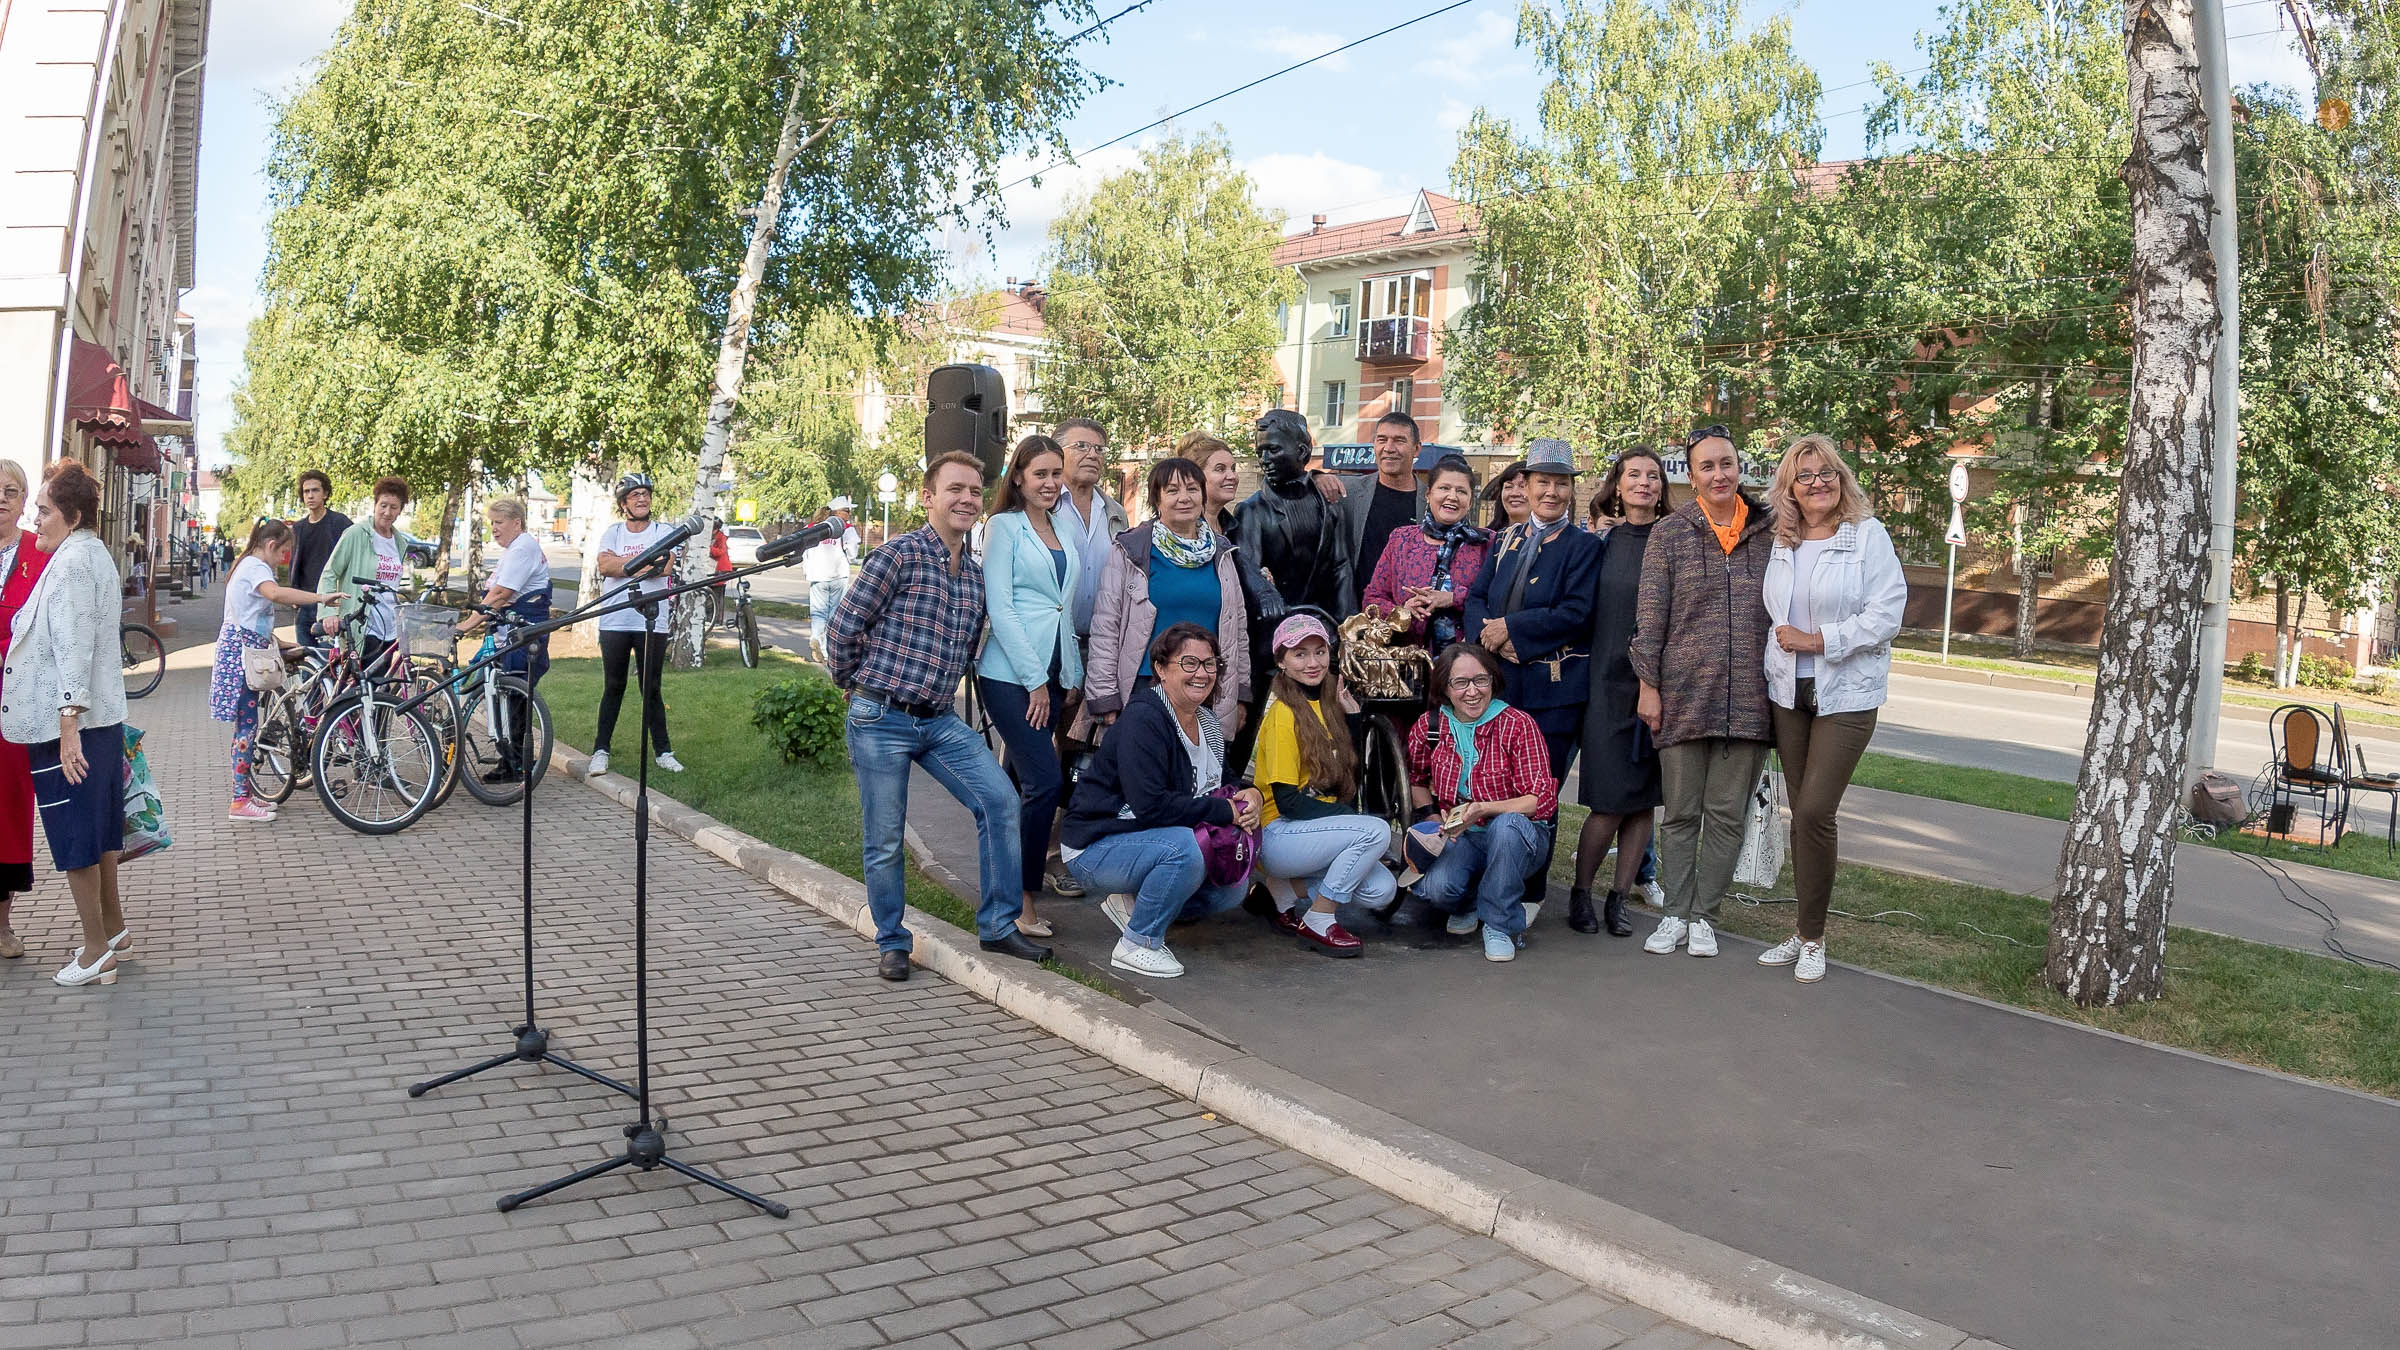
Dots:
pixel 2252 669
pixel 2325 672
pixel 2374 686
pixel 802 716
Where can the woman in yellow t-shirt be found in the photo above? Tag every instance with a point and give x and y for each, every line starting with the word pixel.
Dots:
pixel 1312 845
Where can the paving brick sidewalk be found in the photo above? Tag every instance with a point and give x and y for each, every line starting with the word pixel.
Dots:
pixel 217 1150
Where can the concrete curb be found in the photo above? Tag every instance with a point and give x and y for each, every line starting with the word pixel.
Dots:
pixel 1709 1286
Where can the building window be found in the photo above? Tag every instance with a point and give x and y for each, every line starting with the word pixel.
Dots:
pixel 1408 295
pixel 1404 397
pixel 1339 303
pixel 1337 393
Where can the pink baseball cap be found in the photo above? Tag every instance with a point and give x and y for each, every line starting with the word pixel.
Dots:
pixel 1295 630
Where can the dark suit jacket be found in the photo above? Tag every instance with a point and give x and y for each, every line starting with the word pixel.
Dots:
pixel 1358 494
pixel 1552 622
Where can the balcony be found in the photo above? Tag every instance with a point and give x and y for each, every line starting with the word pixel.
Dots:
pixel 1394 341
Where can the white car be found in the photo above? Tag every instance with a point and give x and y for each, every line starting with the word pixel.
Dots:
pixel 741 544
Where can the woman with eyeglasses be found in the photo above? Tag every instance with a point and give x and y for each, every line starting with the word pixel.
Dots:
pixel 1479 775
pixel 1835 593
pixel 21 562
pixel 1158 775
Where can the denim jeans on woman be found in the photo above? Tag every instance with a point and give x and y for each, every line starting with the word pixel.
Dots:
pixel 1163 870
pixel 1493 863
pixel 1033 762
pixel 824 597
pixel 1337 858
pixel 884 744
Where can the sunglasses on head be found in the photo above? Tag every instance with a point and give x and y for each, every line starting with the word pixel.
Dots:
pixel 1714 431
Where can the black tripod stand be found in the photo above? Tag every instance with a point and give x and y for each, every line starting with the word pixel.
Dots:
pixel 645 1138
pixel 533 1043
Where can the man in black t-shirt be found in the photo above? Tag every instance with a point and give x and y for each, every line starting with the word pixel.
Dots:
pixel 314 536
pixel 1374 505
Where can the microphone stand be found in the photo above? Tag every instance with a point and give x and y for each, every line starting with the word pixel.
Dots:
pixel 645 1138
pixel 532 1042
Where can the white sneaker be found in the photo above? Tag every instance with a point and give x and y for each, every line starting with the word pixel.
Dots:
pixel 1811 967
pixel 1498 946
pixel 667 761
pixel 598 766
pixel 1119 909
pixel 1459 925
pixel 1703 938
pixel 1141 960
pixel 1782 953
pixel 1654 895
pixel 1667 937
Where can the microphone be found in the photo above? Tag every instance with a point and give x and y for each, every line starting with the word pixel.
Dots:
pixel 655 556
pixel 799 539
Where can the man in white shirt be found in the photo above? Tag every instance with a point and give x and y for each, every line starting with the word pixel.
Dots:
pixel 827 565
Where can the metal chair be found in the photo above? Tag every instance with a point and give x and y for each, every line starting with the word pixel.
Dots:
pixel 2308 762
pixel 2360 780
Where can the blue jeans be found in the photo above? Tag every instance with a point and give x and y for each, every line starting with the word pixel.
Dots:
pixel 824 597
pixel 1163 870
pixel 304 624
pixel 1493 863
pixel 1033 762
pixel 884 744
pixel 1337 858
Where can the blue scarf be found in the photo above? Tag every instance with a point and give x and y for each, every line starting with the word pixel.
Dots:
pixel 1462 736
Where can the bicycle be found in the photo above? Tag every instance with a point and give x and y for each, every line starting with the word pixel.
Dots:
pixel 144 657
pixel 289 718
pixel 490 706
pixel 733 609
pixel 375 767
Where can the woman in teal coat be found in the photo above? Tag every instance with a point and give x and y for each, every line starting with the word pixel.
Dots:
pixel 1030 659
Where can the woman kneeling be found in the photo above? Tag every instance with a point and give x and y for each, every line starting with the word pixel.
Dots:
pixel 1129 828
pixel 1479 767
pixel 1309 771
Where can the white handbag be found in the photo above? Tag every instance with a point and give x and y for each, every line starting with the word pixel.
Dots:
pixel 1766 835
pixel 262 667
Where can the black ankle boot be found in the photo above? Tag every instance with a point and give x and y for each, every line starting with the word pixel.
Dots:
pixel 1579 912
pixel 1612 912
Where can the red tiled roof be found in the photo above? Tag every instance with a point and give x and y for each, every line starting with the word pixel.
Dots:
pixel 1452 220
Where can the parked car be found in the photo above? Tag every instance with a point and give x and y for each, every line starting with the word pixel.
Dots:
pixel 742 542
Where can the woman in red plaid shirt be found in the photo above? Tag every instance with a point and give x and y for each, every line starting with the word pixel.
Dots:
pixel 1480 777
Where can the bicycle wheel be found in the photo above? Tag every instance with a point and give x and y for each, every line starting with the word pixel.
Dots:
pixel 1383 771
pixel 488 733
pixel 377 768
pixel 747 635
pixel 441 712
pixel 145 658
pixel 275 750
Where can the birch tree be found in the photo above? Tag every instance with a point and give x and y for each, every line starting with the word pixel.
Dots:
pixel 2116 869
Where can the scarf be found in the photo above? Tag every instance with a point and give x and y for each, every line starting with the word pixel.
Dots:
pixel 1184 552
pixel 1462 739
pixel 1442 628
pixel 1730 533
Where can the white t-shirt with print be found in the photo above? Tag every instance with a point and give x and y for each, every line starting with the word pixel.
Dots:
pixel 625 543
pixel 523 566
pixel 383 619
pixel 245 608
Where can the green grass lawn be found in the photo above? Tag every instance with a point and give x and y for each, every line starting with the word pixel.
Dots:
pixel 2076 668
pixel 733 774
pixel 2358 852
pixel 2245 1001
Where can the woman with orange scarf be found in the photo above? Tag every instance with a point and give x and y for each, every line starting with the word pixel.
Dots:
pixel 21 563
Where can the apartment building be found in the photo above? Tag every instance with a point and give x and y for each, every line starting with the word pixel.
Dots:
pixel 99 153
pixel 1365 337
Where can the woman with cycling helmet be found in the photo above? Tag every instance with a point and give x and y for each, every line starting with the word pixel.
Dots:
pixel 622 632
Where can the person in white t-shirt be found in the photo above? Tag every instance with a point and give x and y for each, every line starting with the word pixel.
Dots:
pixel 827 565
pixel 520 583
pixel 623 634
pixel 250 600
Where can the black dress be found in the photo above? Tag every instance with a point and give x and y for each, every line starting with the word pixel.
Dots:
pixel 1620 767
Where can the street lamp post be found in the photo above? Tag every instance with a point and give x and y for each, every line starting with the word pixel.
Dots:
pixel 887 491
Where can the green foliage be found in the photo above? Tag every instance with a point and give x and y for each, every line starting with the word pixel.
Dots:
pixel 802 717
pixel 2252 669
pixel 1163 298
pixel 2325 672
pixel 1618 265
pixel 799 443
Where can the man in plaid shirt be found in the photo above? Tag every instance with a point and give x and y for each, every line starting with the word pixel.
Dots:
pixel 1496 812
pixel 899 644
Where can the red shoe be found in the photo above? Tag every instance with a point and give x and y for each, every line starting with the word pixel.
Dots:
pixel 1334 941
pixel 1289 921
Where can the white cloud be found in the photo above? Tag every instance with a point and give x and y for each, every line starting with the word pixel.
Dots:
pixel 1298 46
pixel 1016 249
pixel 1484 54
pixel 1302 185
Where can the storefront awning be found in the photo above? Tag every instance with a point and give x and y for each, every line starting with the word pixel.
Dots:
pixel 101 402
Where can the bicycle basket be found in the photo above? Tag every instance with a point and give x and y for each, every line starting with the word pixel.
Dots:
pixel 428 630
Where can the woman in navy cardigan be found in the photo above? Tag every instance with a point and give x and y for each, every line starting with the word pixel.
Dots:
pixel 1031 659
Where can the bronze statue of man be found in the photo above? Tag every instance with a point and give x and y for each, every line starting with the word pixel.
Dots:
pixel 1288 528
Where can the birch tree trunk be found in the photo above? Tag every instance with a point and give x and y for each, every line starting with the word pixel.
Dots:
pixel 690 626
pixel 2116 870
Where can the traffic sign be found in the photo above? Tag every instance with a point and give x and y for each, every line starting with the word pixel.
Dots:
pixel 1956 535
pixel 745 511
pixel 1958 483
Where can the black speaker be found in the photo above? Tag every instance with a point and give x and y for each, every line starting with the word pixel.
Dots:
pixel 966 408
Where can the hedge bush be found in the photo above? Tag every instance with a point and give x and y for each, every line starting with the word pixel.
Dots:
pixel 802 716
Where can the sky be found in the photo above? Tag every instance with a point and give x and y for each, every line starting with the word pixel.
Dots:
pixel 1352 137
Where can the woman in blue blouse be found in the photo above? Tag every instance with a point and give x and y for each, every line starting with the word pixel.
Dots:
pixel 1030 660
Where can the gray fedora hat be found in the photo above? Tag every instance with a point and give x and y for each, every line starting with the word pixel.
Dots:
pixel 1551 455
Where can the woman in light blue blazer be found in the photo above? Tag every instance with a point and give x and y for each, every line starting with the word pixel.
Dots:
pixel 1030 659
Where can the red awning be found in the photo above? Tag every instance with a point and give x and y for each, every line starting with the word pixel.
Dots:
pixel 100 401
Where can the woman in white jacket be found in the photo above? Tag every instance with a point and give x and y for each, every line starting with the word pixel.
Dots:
pixel 1835 593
